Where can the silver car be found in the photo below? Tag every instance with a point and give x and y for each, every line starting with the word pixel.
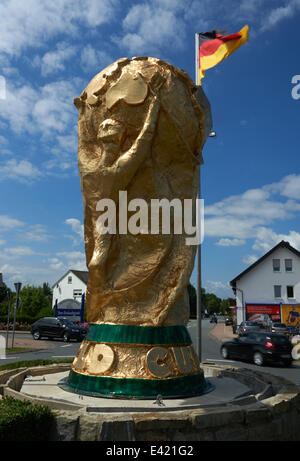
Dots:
pixel 245 327
pixel 280 328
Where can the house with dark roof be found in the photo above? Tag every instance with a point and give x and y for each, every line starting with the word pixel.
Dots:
pixel 71 286
pixel 269 286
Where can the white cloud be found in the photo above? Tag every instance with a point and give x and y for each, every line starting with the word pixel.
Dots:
pixel 34 22
pixel 241 216
pixel 18 252
pixel 94 60
pixel 36 233
pixel 73 259
pixel 48 111
pixel 280 13
pixel 249 259
pixel 54 61
pixel 8 224
pixel 150 26
pixel 220 289
pixel 289 186
pixel 76 227
pixel 267 239
pixel 53 110
pixel 56 264
pixel 21 170
pixel 224 242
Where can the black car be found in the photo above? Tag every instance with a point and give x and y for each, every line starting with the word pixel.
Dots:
pixel 259 347
pixel 53 327
pixel 228 321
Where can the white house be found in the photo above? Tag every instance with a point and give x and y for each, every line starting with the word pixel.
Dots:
pixel 71 285
pixel 270 287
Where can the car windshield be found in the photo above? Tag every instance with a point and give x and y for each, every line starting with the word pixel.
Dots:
pixel 250 324
pixel 279 325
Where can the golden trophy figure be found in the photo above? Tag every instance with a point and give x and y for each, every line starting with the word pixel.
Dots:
pixel 141 131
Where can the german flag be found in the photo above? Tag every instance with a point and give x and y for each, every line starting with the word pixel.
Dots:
pixel 215 46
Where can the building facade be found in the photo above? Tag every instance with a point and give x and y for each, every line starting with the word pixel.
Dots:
pixel 270 288
pixel 69 294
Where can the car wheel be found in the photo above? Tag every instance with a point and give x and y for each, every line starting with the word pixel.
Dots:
pixel 66 338
pixel 36 335
pixel 225 353
pixel 258 359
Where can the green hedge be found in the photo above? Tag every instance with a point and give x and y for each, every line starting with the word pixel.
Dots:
pixel 34 363
pixel 23 421
pixel 21 318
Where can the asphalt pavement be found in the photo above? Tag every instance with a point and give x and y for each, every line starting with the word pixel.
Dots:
pixel 57 349
pixel 210 353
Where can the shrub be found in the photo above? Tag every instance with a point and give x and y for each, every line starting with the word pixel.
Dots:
pixel 24 421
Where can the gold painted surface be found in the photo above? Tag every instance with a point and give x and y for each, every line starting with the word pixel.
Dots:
pixel 156 364
pixel 183 359
pixel 132 89
pixel 99 359
pixel 129 361
pixel 151 150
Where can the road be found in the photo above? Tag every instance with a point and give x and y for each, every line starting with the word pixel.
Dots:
pixel 57 349
pixel 210 353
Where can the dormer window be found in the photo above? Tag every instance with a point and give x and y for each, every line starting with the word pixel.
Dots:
pixel 276 265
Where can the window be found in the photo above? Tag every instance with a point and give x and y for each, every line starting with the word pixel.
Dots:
pixel 77 293
pixel 69 279
pixel 288 265
pixel 290 291
pixel 276 265
pixel 277 291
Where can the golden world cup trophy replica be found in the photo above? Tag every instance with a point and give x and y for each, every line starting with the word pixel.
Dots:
pixel 142 125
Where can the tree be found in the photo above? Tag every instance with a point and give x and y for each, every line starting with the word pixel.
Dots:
pixel 3 292
pixel 34 301
pixel 213 303
pixel 193 300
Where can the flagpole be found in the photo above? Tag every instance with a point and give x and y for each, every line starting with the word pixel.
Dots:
pixel 199 313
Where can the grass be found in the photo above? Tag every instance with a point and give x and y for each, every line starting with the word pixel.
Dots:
pixel 34 363
pixel 11 350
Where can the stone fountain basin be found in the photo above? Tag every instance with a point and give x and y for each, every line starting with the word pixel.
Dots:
pixel 245 405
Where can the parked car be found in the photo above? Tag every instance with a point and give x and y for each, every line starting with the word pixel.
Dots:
pixel 245 327
pixel 228 321
pixel 260 348
pixel 280 328
pixel 54 327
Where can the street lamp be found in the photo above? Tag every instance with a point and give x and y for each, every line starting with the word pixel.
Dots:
pixel 18 286
pixel 8 315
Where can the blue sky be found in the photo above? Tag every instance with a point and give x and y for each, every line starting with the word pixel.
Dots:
pixel 49 51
